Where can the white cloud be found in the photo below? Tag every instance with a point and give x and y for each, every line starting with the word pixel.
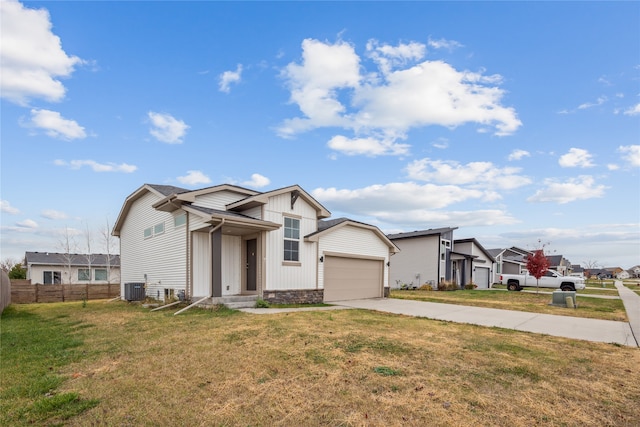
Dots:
pixel 97 167
pixel 420 219
pixel 630 154
pixel 612 167
pixel 28 224
pixel 229 77
pixel 332 90
pixel 194 178
pixel 257 181
pixel 31 56
pixel 53 214
pixel 580 188
pixel 166 128
pixel 6 207
pixel 473 174
pixel 576 157
pixel 441 143
pixel 518 154
pixel 601 100
pixel 389 57
pixel 369 146
pixel 633 111
pixel 401 196
pixel 444 44
pixel 55 125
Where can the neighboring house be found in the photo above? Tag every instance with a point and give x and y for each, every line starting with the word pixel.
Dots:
pixel 613 271
pixel 598 273
pixel 560 264
pixel 635 271
pixel 577 271
pixel 624 274
pixel 226 240
pixel 424 257
pixel 472 263
pixel 509 261
pixel 49 268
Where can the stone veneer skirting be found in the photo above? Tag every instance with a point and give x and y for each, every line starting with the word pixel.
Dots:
pixel 301 296
pixel 298 296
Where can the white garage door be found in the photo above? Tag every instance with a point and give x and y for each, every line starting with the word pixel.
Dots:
pixel 352 278
pixel 482 277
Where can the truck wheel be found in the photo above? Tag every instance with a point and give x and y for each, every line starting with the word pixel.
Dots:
pixel 513 286
pixel 567 288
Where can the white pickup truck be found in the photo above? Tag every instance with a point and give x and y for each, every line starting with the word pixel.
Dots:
pixel 550 279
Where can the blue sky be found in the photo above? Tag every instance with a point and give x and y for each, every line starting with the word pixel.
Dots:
pixel 518 122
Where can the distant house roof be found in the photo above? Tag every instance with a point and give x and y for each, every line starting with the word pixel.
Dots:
pixel 577 268
pixel 53 258
pixel 421 233
pixel 554 260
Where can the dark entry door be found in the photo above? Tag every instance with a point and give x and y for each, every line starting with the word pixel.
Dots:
pixel 251 264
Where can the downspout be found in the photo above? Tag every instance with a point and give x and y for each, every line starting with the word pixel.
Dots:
pixel 213 230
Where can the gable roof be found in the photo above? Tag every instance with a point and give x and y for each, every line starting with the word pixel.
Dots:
pixel 54 258
pixel 421 233
pixel 475 242
pixel 330 225
pixel 262 198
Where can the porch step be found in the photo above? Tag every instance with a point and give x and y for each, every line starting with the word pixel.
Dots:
pixel 232 301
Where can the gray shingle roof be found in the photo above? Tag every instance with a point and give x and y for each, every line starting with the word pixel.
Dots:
pixel 429 232
pixel 167 190
pixel 53 258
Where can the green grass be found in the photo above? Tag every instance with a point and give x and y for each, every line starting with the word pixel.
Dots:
pixel 119 364
pixel 33 352
pixel 596 308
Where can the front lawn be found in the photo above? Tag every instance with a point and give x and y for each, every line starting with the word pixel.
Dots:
pixel 596 308
pixel 118 364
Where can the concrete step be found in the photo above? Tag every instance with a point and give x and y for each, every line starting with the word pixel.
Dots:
pixel 232 301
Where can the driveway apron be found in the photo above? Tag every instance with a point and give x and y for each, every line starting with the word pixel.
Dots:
pixel 607 331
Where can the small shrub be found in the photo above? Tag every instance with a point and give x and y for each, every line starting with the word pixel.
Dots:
pixel 262 303
pixel 447 286
pixel 470 286
pixel 426 287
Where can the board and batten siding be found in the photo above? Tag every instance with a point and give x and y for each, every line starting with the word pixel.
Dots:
pixel 279 275
pixel 356 242
pixel 231 265
pixel 417 256
pixel 218 200
pixel 161 257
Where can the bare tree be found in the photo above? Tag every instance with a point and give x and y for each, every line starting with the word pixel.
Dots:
pixel 89 256
pixel 68 248
pixel 109 243
pixel 591 264
pixel 7 264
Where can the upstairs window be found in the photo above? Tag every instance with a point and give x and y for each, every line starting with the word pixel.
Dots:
pixel 291 239
pixel 180 220
pixel 100 274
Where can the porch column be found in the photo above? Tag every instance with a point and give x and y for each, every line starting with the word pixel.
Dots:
pixel 216 265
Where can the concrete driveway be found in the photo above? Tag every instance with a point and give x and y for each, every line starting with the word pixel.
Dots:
pixel 606 331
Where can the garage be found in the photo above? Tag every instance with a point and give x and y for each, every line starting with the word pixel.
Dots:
pixel 482 277
pixel 348 278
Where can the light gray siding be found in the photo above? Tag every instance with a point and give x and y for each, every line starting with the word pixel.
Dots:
pixel 218 200
pixel 417 262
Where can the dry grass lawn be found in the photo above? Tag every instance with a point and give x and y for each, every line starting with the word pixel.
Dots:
pixel 325 368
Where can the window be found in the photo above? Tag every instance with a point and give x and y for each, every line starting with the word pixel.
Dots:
pixel 148 232
pixel 84 274
pixel 291 239
pixel 442 257
pixel 180 220
pixel 100 274
pixel 158 229
pixel 52 278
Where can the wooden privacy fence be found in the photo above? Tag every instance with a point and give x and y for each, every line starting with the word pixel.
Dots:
pixel 23 292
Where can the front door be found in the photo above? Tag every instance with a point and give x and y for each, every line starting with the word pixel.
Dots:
pixel 252 246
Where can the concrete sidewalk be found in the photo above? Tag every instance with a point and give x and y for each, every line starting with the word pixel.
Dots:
pixel 606 331
pixel 631 301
